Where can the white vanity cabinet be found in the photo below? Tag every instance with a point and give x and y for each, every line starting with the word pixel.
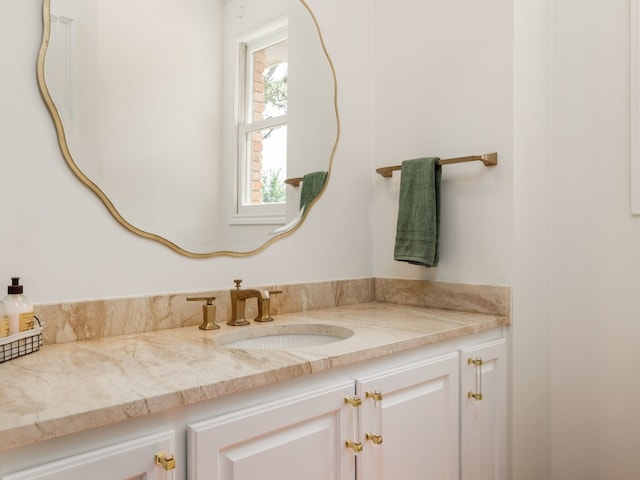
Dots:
pixel 409 421
pixel 410 412
pixel 402 422
pixel 483 412
pixel 142 458
pixel 299 437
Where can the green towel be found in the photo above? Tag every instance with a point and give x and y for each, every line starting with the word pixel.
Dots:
pixel 419 212
pixel 312 184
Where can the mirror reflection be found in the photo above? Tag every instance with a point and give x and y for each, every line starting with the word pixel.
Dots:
pixel 187 116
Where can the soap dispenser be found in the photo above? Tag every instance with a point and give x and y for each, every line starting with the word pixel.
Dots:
pixel 19 309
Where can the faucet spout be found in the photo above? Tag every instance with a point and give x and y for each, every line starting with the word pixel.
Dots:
pixel 238 303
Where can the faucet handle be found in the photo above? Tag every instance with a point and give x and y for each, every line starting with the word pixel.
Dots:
pixel 266 305
pixel 208 313
pixel 238 283
pixel 209 300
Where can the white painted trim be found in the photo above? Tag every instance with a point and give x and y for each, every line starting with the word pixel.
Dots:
pixel 634 64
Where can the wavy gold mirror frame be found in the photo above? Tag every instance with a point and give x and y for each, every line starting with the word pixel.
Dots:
pixel 46 32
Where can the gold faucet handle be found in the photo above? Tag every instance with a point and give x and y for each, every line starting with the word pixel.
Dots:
pixel 208 313
pixel 266 305
pixel 238 283
pixel 209 300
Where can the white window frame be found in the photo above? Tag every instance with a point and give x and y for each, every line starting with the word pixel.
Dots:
pixel 245 213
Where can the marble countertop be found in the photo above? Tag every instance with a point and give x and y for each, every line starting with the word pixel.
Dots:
pixel 69 387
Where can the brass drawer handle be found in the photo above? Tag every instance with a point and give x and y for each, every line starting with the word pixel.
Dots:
pixel 477 364
pixel 353 401
pixel 376 396
pixel 355 446
pixel 166 461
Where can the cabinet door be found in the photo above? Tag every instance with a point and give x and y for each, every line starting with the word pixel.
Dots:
pixel 416 420
pixel 299 437
pixel 483 427
pixel 133 460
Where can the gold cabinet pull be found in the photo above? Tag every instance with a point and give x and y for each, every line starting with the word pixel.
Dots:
pixel 477 364
pixel 166 461
pixel 355 433
pixel 376 396
pixel 475 396
pixel 353 401
pixel 355 446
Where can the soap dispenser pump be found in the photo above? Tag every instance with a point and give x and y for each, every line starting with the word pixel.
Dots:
pixel 19 309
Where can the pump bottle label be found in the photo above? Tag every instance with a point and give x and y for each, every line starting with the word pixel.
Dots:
pixel 26 321
pixel 4 327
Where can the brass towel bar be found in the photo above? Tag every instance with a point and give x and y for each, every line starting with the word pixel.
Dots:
pixel 489 160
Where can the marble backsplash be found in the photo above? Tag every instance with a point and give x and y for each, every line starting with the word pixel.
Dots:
pixel 69 322
pixel 489 299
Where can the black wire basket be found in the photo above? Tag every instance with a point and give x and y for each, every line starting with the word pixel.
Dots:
pixel 21 344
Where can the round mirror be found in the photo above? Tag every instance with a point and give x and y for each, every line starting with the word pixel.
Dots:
pixel 207 125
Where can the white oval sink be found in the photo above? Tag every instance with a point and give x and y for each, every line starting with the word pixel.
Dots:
pixel 284 337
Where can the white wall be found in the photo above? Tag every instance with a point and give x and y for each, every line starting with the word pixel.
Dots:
pixel 596 247
pixel 529 335
pixel 443 75
pixel 64 244
pixel 454 78
pixel 576 247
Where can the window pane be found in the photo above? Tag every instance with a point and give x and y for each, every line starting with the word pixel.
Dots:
pixel 270 69
pixel 267 165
